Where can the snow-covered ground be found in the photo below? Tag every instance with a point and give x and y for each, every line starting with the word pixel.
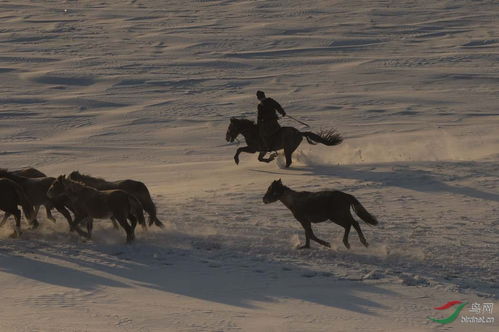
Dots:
pixel 145 89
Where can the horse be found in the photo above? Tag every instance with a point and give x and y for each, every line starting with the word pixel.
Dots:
pixel 135 188
pixel 90 203
pixel 287 138
pixel 36 190
pixel 29 172
pixel 315 207
pixel 12 195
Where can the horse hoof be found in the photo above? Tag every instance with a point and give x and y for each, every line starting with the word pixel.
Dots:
pixel 15 235
pixel 347 245
pixel 303 247
pixel 327 244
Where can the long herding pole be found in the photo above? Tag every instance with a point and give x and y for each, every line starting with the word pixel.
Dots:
pixel 303 123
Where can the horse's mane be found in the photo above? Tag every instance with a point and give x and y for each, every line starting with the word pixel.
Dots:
pixel 79 185
pixel 4 172
pixel 84 176
pixel 244 121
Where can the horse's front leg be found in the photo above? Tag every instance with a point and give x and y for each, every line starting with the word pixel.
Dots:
pixel 243 149
pixel 34 222
pixel 48 208
pixel 306 225
pixel 90 226
pixel 74 226
pixel 17 232
pixel 262 154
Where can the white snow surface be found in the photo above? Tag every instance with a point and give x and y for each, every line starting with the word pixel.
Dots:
pixel 144 89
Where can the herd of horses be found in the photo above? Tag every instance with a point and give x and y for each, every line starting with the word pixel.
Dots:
pixel 86 197
pixel 125 201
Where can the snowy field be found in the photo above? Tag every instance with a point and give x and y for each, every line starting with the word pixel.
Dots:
pixel 144 89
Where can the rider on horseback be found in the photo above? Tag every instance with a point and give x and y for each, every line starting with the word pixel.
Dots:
pixel 267 118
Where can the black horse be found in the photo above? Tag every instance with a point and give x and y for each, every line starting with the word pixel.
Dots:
pixel 314 207
pixel 287 138
pixel 36 190
pixel 12 195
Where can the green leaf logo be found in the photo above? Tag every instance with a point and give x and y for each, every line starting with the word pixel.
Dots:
pixel 453 316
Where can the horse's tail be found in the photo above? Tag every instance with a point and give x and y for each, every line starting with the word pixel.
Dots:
pixel 362 212
pixel 326 137
pixel 25 202
pixel 136 210
pixel 149 206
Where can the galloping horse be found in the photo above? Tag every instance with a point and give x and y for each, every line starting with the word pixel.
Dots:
pixel 135 188
pixel 12 195
pixel 314 207
pixel 287 138
pixel 89 203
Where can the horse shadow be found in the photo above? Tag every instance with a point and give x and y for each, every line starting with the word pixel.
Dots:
pixel 400 175
pixel 245 282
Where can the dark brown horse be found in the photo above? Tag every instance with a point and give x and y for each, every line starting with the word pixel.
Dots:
pixel 12 195
pixel 314 207
pixel 136 188
pixel 29 172
pixel 287 138
pixel 36 190
pixel 89 203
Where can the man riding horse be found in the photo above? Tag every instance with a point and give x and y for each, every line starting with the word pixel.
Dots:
pixel 267 122
pixel 267 135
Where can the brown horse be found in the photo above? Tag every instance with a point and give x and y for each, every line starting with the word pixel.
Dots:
pixel 287 138
pixel 89 203
pixel 29 172
pixel 12 195
pixel 135 188
pixel 315 207
pixel 36 190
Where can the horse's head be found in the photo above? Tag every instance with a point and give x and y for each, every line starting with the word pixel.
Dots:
pixel 75 176
pixel 232 131
pixel 58 187
pixel 239 126
pixel 274 192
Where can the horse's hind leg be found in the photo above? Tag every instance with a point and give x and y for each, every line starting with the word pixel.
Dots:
pixel 115 223
pixel 359 231
pixel 130 236
pixel 133 222
pixel 262 154
pixel 345 236
pixel 154 219
pixel 288 152
pixel 345 220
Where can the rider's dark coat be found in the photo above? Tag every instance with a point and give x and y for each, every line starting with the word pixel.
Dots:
pixel 267 118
